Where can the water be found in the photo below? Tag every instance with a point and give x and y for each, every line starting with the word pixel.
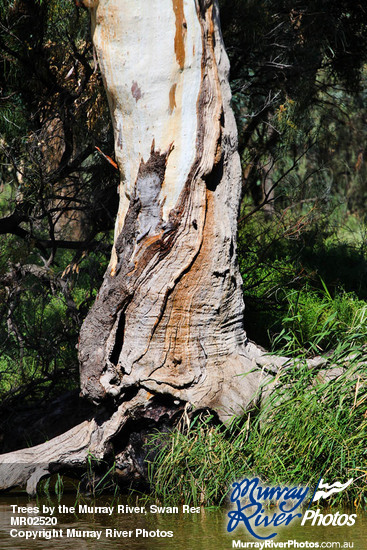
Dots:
pixel 205 530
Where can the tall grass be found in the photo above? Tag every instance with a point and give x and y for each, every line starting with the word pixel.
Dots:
pixel 316 322
pixel 313 424
pixel 195 464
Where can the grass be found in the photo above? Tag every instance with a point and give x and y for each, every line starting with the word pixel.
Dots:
pixel 316 322
pixel 313 426
pixel 195 465
pixel 284 263
pixel 97 479
pixel 314 423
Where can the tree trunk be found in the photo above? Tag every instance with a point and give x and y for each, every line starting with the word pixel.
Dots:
pixel 168 319
pixel 169 315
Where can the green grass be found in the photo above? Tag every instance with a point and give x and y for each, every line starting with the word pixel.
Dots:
pixel 316 322
pixel 313 424
pixel 196 464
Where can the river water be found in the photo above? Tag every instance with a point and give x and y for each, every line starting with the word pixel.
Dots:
pixel 205 530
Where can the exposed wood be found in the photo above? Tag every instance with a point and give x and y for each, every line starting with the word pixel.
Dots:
pixel 25 425
pixel 118 438
pixel 68 451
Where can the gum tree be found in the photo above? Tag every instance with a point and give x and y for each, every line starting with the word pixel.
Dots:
pixel 166 329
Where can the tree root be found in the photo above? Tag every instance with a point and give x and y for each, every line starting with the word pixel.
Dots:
pixel 68 451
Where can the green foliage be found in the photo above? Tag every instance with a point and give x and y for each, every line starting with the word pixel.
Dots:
pixel 38 341
pixel 315 424
pixel 299 83
pixel 55 190
pixel 303 271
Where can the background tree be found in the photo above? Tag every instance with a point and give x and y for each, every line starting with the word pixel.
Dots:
pixel 53 114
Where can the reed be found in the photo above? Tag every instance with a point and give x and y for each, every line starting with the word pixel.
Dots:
pixel 313 424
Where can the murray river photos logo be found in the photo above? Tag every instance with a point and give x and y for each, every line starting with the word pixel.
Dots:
pixel 251 499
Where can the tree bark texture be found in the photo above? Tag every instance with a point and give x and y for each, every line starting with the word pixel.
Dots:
pixel 169 315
